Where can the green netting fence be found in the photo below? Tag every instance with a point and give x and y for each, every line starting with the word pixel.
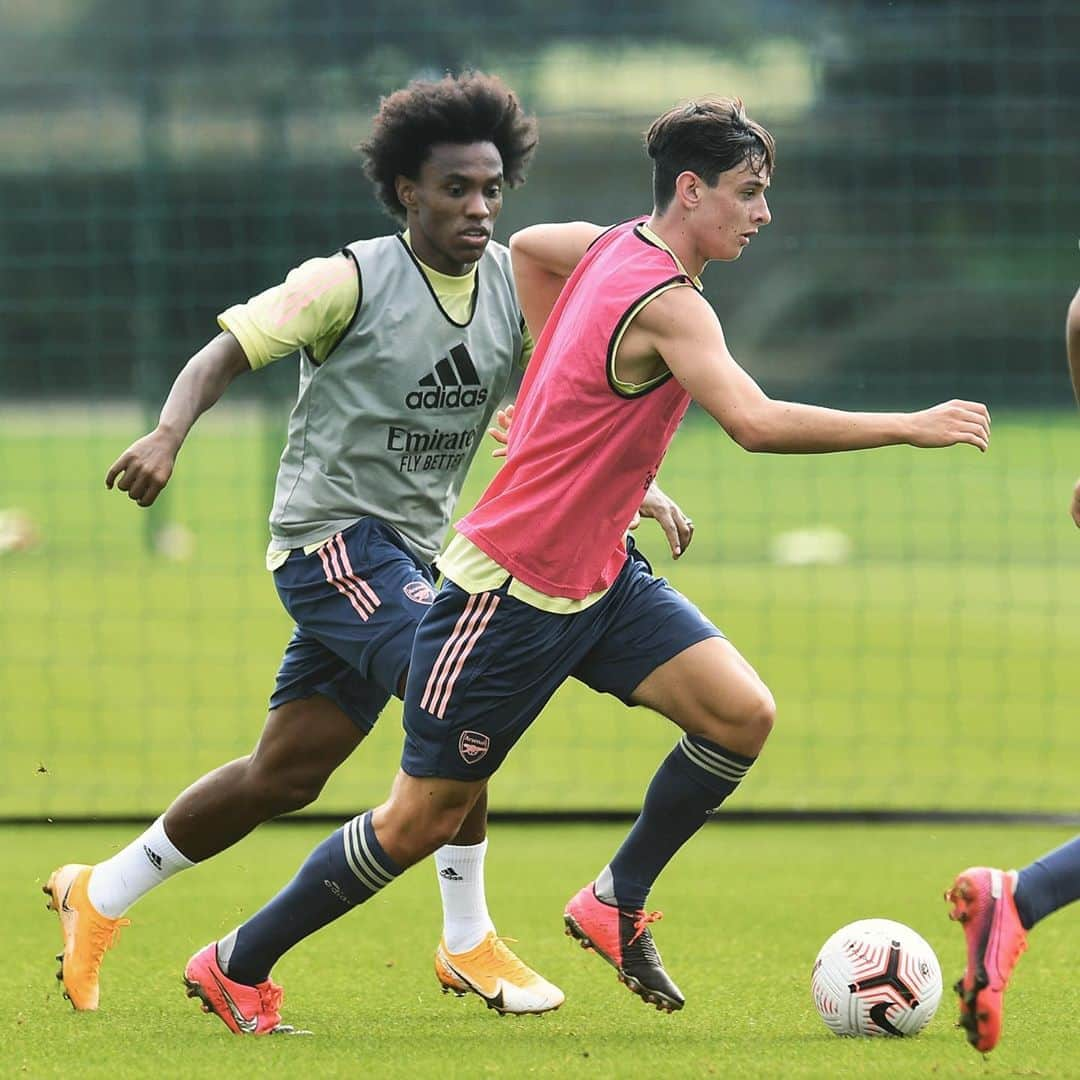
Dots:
pixel 917 614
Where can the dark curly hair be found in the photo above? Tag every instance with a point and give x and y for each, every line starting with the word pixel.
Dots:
pixel 465 108
pixel 708 136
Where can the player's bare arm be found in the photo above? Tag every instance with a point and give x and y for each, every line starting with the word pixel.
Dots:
pixel 680 327
pixel 543 257
pixel 1072 345
pixel 145 467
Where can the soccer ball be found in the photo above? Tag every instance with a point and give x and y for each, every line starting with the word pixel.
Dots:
pixel 876 977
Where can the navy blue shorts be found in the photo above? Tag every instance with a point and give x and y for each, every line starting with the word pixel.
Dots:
pixel 356 603
pixel 485 665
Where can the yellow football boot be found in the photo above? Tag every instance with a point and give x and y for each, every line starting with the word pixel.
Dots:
pixel 87 934
pixel 492 971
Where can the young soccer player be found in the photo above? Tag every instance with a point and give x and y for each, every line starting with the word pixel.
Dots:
pixel 541 583
pixel 998 908
pixel 407 344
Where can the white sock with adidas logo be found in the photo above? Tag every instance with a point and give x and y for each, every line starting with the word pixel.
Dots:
pixel 145 863
pixel 461 881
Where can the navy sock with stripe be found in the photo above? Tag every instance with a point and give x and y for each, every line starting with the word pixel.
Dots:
pixel 346 869
pixel 1049 883
pixel 693 780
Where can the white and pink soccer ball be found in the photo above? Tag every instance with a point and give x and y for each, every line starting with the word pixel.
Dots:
pixel 876 977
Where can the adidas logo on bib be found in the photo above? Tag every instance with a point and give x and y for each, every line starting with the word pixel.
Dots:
pixel 454 384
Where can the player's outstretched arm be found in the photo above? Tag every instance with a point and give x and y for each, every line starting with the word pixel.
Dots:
pixel 682 327
pixel 543 257
pixel 144 468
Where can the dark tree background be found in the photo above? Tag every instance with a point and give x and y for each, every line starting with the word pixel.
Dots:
pixel 925 204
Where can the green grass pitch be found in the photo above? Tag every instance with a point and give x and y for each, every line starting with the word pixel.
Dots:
pixel 746 908
pixel 935 668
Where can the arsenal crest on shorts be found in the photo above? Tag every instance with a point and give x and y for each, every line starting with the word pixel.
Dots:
pixel 473 746
pixel 420 592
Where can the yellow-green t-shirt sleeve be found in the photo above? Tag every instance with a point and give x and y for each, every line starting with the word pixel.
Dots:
pixel 527 345
pixel 310 309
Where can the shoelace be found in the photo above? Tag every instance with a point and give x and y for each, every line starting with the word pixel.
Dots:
pixel 270 996
pixel 641 921
pixel 104 935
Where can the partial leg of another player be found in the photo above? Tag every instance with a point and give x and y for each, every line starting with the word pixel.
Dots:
pixel 996 909
pixel 726 712
pixel 471 957
pixel 302 743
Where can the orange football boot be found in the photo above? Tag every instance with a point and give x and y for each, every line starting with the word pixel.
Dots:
pixel 88 934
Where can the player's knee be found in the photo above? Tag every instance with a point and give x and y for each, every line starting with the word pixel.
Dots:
pixel 299 791
pixel 746 726
pixel 443 826
pixel 409 836
pixel 761 714
pixel 438 823
pixel 284 787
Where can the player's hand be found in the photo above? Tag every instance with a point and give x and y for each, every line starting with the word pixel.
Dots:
pixel 501 432
pixel 1075 508
pixel 678 528
pixel 950 423
pixel 144 468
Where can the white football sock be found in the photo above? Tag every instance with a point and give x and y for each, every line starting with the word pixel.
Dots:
pixel 461 881
pixel 145 863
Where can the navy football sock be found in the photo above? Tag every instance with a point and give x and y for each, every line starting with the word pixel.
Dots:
pixel 346 869
pixel 693 780
pixel 1049 883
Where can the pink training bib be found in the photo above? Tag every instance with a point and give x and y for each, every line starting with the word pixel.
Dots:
pixel 582 451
